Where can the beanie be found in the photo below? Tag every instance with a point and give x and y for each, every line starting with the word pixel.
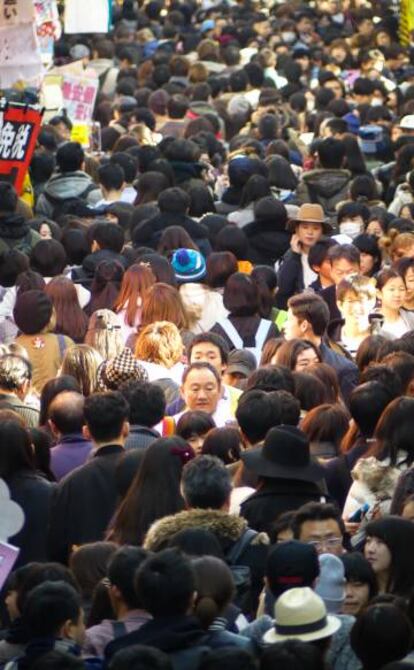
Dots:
pixel 331 583
pixel 32 311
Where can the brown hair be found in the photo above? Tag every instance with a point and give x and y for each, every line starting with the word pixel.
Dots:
pixel 163 303
pixel 197 73
pixel 329 378
pixel 105 334
pixel 70 318
pixel 161 343
pixel 136 281
pixel 287 353
pixel 393 241
pixel 270 349
pixel 175 237
pixel 82 362
pixel 326 423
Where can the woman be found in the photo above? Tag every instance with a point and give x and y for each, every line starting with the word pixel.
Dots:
pixel 376 474
pixel 82 363
pixel 27 488
pixel 370 254
pixel 405 267
pixel 70 318
pixel 193 427
pixel 392 292
pixel 297 355
pixel 389 548
pixel 224 443
pixel 154 492
pixel 356 298
pixel 162 303
pixel 397 245
pixel 135 282
pixel 257 187
pixel 105 334
pixel 105 286
pixel 159 349
pixel 282 179
pixel 172 238
pixel 325 427
pixel 361 583
pixel 244 328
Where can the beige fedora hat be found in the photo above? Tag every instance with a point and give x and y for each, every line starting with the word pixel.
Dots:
pixel 310 212
pixel 301 614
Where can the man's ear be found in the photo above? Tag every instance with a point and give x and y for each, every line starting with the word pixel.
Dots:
pixel 66 630
pixel 125 429
pixel 86 432
pixel 53 428
pixel 304 326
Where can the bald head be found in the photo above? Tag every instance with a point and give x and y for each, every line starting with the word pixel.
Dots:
pixel 66 412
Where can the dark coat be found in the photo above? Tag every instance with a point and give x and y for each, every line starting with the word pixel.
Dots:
pixel 34 495
pixel 338 472
pixel 15 233
pixel 266 245
pixel 247 327
pixel 86 272
pixel 84 503
pixel 289 278
pixel 148 233
pixel 347 371
pixel 326 187
pixel 274 498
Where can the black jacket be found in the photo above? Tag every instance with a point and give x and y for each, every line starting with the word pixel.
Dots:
pixel 266 245
pixel 289 278
pixel 84 503
pixel 148 233
pixel 247 327
pixel 274 498
pixel 86 272
pixel 347 371
pixel 34 495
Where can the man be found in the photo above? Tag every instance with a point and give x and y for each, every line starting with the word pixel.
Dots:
pixel 166 586
pixel 15 233
pixel 103 64
pixel 327 185
pixel 85 500
pixel 206 488
pixel 112 182
pixel 345 260
pixel 107 244
pixel 201 391
pixel 146 410
pixel 70 182
pixel 129 614
pixel 241 363
pixel 66 420
pixel 294 273
pixel 308 318
pixel 321 526
pixel 15 383
pixel 256 413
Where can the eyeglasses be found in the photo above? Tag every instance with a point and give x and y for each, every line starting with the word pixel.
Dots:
pixel 328 543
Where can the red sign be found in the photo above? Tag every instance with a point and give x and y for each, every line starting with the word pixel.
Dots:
pixel 19 128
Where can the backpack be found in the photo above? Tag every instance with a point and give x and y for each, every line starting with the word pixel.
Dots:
pixel 241 573
pixel 61 207
pixel 234 337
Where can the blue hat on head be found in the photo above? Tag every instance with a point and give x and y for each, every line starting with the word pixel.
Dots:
pixel 188 265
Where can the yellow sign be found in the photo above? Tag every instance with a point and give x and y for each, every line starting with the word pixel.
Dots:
pixel 80 133
pixel 406 21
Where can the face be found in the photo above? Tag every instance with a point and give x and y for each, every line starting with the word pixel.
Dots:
pixel 356 308
pixel 292 328
pixel 325 535
pixel 341 269
pixel 201 391
pixel 405 213
pixel 377 553
pixel 356 597
pixel 374 228
pixel 45 231
pixel 196 442
pixel 351 226
pixel 338 54
pixel 367 263
pixel 206 352
pixel 409 280
pixel 403 252
pixel 308 234
pixel 393 293
pixel 336 87
pixel 305 359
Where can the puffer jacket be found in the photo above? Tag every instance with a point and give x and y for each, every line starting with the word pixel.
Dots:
pixel 15 233
pixel 403 196
pixel 64 186
pixel 325 187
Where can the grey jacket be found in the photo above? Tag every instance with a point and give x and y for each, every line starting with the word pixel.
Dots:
pixel 65 185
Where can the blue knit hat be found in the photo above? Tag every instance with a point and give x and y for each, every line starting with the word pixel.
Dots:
pixel 188 265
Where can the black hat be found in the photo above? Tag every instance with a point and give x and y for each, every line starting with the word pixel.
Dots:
pixel 32 312
pixel 285 454
pixel 291 564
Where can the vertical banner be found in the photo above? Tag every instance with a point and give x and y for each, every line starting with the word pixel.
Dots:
pixel 19 49
pixel 406 21
pixel 96 18
pixel 19 128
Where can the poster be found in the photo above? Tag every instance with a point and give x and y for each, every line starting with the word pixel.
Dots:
pixel 96 19
pixel 20 58
pixel 48 29
pixel 19 128
pixel 15 12
pixel 406 21
pixel 79 95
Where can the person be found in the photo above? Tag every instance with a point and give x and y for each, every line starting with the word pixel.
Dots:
pixel 291 654
pixel 320 525
pixel 125 602
pixel 392 291
pixel 27 488
pixel 70 318
pixel 82 363
pixel 287 476
pixel 257 412
pixel 34 316
pixel 147 405
pixel 155 491
pixel 165 584
pixel 159 350
pixel 54 620
pixel 104 334
pixel 139 656
pixel 326 426
pixel 382 634
pixel 356 299
pixel 294 273
pixel 201 391
pixel 66 421
pixel 69 182
pixel 163 303
pixel 370 254
pixel 361 583
pixel 387 549
pixel 194 427
pixel 206 488
pixel 241 363
pixel 345 261
pixel 136 281
pixel 85 500
pixel 15 386
pixel 297 355
pixel 15 233
pixel 243 327
pixel 88 565
pixel 308 318
pixel 267 235
pixel 111 179
pixel 225 443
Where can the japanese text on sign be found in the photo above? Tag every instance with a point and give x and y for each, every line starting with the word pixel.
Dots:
pixel 14 139
pixel 79 98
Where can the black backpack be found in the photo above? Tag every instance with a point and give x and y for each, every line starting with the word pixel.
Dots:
pixel 61 207
pixel 241 573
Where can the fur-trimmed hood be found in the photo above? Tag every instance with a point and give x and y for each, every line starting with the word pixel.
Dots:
pixel 228 528
pixel 379 476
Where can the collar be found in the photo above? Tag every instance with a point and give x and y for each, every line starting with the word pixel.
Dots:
pixel 108 450
pixel 73 437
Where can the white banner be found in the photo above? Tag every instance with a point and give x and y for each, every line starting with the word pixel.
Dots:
pixel 19 55
pixel 90 16
pixel 14 12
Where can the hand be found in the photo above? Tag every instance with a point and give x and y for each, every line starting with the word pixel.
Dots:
pixel 295 244
pixel 351 527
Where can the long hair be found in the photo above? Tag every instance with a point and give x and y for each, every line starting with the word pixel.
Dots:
pixel 105 286
pixel 154 491
pixel 163 303
pixel 82 363
pixel 136 281
pixel 398 535
pixel 175 237
pixel 105 334
pixel 395 430
pixel 70 318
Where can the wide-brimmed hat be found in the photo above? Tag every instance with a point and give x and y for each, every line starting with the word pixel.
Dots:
pixel 188 265
pixel 285 454
pixel 301 614
pixel 310 213
pixel 122 368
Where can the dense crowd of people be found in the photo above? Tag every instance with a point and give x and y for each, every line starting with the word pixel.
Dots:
pixel 207 348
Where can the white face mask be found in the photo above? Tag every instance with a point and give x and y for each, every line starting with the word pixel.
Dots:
pixel 376 102
pixel 288 36
pixel 338 18
pixel 350 228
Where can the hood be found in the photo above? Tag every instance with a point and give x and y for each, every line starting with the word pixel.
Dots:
pixel 327 183
pixel 68 185
pixel 13 226
pixel 380 477
pixel 171 635
pixel 228 528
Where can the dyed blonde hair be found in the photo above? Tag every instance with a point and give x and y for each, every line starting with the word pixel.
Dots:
pixel 104 334
pixel 82 362
pixel 394 241
pixel 359 285
pixel 161 343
